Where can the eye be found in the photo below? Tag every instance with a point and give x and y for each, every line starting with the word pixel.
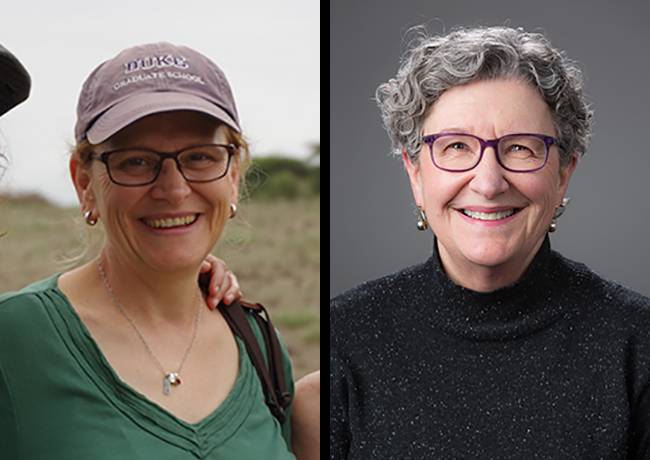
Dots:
pixel 207 157
pixel 199 157
pixel 455 146
pixel 136 161
pixel 520 151
pixel 458 146
pixel 133 162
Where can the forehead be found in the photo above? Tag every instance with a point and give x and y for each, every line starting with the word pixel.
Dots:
pixel 170 131
pixel 490 108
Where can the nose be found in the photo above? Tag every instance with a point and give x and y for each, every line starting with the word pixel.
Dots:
pixel 489 180
pixel 170 184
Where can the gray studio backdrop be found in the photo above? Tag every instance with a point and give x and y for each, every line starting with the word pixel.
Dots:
pixel 606 225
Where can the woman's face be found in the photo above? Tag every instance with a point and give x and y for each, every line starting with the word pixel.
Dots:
pixel 502 248
pixel 171 223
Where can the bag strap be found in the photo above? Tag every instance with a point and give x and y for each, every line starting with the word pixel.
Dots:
pixel 272 376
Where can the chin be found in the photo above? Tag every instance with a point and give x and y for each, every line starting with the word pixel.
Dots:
pixel 176 267
pixel 172 261
pixel 492 253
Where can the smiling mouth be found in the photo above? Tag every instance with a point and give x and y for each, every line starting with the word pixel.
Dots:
pixel 171 222
pixel 491 216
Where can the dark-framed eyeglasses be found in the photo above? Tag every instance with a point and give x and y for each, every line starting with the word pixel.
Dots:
pixel 460 152
pixel 135 166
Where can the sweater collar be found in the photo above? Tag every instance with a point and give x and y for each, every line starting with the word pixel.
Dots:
pixel 519 309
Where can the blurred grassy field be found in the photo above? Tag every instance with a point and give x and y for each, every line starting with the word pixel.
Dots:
pixel 272 246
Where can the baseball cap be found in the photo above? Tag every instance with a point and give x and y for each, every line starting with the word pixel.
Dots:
pixel 148 79
pixel 15 82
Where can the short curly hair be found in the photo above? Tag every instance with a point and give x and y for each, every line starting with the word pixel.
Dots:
pixel 433 64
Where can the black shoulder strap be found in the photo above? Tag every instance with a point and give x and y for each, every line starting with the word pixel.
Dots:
pixel 272 376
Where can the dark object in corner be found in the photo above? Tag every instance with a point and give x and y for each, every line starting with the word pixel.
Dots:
pixel 15 82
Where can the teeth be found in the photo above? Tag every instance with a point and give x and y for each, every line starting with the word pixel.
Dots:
pixel 488 215
pixel 171 222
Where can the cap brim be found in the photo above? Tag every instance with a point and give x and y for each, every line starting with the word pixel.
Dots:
pixel 140 105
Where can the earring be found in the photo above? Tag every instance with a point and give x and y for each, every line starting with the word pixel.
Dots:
pixel 422 224
pixel 233 210
pixel 558 212
pixel 90 218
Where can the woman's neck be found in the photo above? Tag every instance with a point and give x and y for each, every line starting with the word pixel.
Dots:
pixel 484 278
pixel 153 296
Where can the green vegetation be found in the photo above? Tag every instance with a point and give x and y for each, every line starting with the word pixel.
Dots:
pixel 311 334
pixel 296 319
pixel 280 177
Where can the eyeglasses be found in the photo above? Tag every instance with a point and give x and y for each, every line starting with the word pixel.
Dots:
pixel 459 152
pixel 133 167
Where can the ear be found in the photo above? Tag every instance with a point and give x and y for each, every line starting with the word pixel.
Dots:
pixel 81 179
pixel 565 175
pixel 413 171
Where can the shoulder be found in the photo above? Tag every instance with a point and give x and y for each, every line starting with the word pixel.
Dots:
pixel 376 293
pixel 615 322
pixel 28 297
pixel 23 306
pixel 258 319
pixel 376 305
pixel 589 284
pixel 27 330
pixel 306 417
pixel 613 304
pixel 309 384
pixel 307 395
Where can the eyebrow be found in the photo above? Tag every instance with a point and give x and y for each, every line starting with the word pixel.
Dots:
pixel 459 130
pixel 455 130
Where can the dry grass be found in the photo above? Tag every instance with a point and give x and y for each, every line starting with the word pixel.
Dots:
pixel 273 247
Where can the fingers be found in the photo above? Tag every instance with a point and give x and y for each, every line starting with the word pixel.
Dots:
pixel 218 277
pixel 228 291
pixel 234 291
pixel 206 266
pixel 223 284
pixel 216 269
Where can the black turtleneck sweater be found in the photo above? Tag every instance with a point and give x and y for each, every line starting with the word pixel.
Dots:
pixel 556 366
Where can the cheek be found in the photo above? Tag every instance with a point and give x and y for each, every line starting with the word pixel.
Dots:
pixel 101 199
pixel 222 213
pixel 220 203
pixel 542 192
pixel 100 185
pixel 440 190
pixel 115 203
pixel 218 220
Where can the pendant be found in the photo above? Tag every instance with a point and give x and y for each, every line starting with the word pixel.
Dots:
pixel 170 379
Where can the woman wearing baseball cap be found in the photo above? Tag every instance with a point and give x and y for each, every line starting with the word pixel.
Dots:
pixel 15 86
pixel 120 357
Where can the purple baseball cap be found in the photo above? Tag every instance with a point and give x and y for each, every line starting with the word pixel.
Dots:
pixel 148 79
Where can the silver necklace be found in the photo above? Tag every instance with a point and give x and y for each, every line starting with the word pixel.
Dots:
pixel 169 378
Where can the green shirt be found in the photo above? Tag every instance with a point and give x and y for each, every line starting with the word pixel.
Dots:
pixel 61 400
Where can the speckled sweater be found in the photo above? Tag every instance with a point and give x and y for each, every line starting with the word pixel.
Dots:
pixel 556 366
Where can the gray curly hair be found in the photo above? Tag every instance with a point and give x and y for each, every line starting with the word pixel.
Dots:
pixel 434 64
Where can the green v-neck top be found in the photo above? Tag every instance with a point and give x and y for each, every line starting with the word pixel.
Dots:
pixel 61 400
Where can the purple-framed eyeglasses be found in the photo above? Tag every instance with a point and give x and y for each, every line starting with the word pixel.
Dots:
pixel 460 152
